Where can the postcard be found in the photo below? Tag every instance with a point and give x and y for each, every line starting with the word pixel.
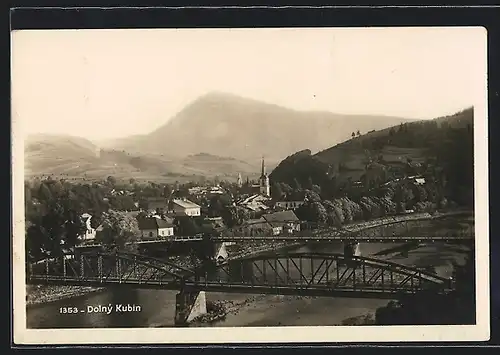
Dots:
pixel 250 185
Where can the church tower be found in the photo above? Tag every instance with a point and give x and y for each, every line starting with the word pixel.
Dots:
pixel 239 181
pixel 264 181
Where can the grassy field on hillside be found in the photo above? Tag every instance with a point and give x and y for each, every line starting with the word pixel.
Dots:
pixel 353 157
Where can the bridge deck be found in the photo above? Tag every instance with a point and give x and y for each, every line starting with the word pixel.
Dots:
pixel 335 236
pixel 378 232
pixel 312 290
pixel 320 274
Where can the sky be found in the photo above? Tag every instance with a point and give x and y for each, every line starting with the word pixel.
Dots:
pixel 103 84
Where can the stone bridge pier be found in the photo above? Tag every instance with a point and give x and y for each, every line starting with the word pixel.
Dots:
pixel 221 252
pixel 188 306
pixel 352 249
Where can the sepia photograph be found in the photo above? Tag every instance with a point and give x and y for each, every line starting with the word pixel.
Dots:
pixel 250 185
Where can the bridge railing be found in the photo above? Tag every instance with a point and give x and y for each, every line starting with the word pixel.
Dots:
pixel 320 271
pixel 106 267
pixel 323 273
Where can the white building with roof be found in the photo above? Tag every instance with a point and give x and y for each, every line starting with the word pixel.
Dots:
pixel 256 203
pixel 283 222
pixel 154 227
pixel 185 208
pixel 289 205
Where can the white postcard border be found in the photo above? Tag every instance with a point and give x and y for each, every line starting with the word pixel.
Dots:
pixel 312 334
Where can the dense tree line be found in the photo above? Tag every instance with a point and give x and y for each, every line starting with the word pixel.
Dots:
pixel 52 213
pixel 53 210
pixel 387 201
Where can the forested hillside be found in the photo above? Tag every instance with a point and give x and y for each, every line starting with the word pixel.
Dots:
pixel 440 150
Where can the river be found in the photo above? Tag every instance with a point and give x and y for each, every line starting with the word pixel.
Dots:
pixel 158 307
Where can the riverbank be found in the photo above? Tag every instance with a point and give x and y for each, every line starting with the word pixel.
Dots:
pixel 276 310
pixel 247 249
pixel 41 294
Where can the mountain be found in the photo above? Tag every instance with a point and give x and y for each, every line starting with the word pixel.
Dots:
pixel 223 124
pixel 48 152
pixel 218 134
pixel 70 156
pixel 418 137
pixel 445 141
pixel 68 145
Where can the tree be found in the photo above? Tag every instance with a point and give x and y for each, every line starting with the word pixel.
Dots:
pixel 353 135
pixel 402 195
pixel 141 215
pixel 357 133
pixel 287 189
pixel 277 192
pixel 312 196
pixel 312 212
pixel 120 231
pixel 309 184
pixel 53 228
pixel 188 226
pixel 215 207
pixel 44 193
pixel 111 180
pixel 316 189
pixel 235 215
pixel 27 193
pixel 57 189
pixel 334 212
pixel 167 191
pixel 296 185
pixel 122 203
pixel 420 194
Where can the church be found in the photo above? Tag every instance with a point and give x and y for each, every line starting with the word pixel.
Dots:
pixel 256 197
pixel 262 188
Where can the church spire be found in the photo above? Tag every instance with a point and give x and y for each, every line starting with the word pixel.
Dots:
pixel 239 181
pixel 264 180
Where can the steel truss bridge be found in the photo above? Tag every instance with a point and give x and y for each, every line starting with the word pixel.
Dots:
pixel 392 229
pixel 307 274
pixel 388 229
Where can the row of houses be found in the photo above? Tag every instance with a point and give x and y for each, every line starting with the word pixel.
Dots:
pixel 175 207
pixel 262 203
pixel 208 191
pixel 151 227
pixel 156 227
pixel 277 222
pixel 162 213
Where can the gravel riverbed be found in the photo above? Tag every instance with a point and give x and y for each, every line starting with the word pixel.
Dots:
pixel 40 294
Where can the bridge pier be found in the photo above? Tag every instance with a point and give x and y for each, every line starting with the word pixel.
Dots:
pixel 221 253
pixel 188 306
pixel 352 249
